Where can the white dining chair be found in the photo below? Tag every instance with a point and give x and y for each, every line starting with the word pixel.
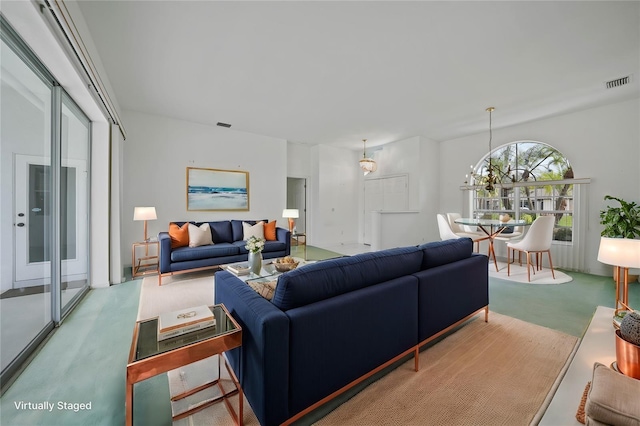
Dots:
pixel 537 240
pixel 446 233
pixel 516 235
pixel 456 227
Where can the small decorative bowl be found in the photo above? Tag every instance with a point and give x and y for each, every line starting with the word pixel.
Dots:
pixel 284 267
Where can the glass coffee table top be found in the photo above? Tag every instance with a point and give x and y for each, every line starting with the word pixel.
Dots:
pixel 147 344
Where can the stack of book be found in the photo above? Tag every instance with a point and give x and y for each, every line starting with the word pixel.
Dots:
pixel 177 323
pixel 239 269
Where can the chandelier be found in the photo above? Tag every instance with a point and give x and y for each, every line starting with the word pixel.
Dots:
pixel 491 177
pixel 368 165
pixel 494 174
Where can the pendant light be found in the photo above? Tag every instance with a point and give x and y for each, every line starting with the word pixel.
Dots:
pixel 491 178
pixel 368 165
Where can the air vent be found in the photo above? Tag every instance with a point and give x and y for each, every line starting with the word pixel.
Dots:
pixel 618 82
pixel 224 124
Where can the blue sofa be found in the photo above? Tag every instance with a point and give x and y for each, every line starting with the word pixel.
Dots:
pixel 331 323
pixel 228 247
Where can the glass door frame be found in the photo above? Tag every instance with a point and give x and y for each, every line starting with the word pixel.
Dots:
pixel 59 310
pixel 10 37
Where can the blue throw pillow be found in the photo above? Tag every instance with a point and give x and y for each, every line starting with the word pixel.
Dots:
pixel 221 232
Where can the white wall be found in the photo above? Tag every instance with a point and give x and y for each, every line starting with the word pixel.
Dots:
pixel 430 186
pixel 401 157
pixel 158 151
pixel 298 160
pixel 336 179
pixel 418 158
pixel 601 143
pixel 335 187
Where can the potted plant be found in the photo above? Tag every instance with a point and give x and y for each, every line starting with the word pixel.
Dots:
pixel 621 222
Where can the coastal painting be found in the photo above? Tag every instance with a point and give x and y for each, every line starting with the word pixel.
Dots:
pixel 213 189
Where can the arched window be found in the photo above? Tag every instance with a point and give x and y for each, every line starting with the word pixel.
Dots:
pixel 531 178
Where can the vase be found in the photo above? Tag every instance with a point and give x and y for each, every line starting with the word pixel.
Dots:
pixel 627 357
pixel 255 262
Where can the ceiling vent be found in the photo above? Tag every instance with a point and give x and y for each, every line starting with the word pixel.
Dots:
pixel 618 82
pixel 224 124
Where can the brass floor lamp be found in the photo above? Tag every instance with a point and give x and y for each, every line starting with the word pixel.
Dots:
pixel 622 253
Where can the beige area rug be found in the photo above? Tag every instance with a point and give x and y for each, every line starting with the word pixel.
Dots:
pixel 496 373
pixel 175 293
pixel 519 274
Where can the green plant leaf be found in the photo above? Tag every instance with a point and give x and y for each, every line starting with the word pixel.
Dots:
pixel 620 222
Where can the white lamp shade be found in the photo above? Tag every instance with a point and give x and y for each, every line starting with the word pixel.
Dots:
pixel 144 213
pixel 290 213
pixel 623 252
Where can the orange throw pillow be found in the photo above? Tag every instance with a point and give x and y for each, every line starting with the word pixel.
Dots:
pixel 179 236
pixel 270 231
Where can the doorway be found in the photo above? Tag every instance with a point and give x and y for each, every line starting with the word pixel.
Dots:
pixel 389 193
pixel 32 215
pixel 297 199
pixel 45 146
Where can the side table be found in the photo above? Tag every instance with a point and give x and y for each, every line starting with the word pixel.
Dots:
pixel 143 260
pixel 148 358
pixel 296 236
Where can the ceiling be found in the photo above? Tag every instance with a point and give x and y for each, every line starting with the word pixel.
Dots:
pixel 336 72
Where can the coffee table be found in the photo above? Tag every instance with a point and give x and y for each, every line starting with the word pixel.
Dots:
pixel 267 270
pixel 148 358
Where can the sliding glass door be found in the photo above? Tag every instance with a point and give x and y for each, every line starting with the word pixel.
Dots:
pixel 74 201
pixel 44 203
pixel 25 205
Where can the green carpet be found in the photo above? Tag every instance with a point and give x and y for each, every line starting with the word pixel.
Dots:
pixel 85 359
pixel 565 307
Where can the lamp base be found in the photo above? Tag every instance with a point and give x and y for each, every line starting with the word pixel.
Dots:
pixel 632 277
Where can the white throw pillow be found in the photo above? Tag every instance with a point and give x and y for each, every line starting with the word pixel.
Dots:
pixel 256 230
pixel 199 235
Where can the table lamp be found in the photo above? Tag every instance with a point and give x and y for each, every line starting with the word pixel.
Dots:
pixel 145 213
pixel 292 215
pixel 622 253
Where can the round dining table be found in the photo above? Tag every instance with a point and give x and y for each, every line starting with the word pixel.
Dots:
pixel 492 228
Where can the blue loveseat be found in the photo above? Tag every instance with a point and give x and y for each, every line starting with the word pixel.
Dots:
pixel 329 324
pixel 228 247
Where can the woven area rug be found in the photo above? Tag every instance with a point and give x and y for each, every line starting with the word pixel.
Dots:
pixel 519 274
pixel 497 373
